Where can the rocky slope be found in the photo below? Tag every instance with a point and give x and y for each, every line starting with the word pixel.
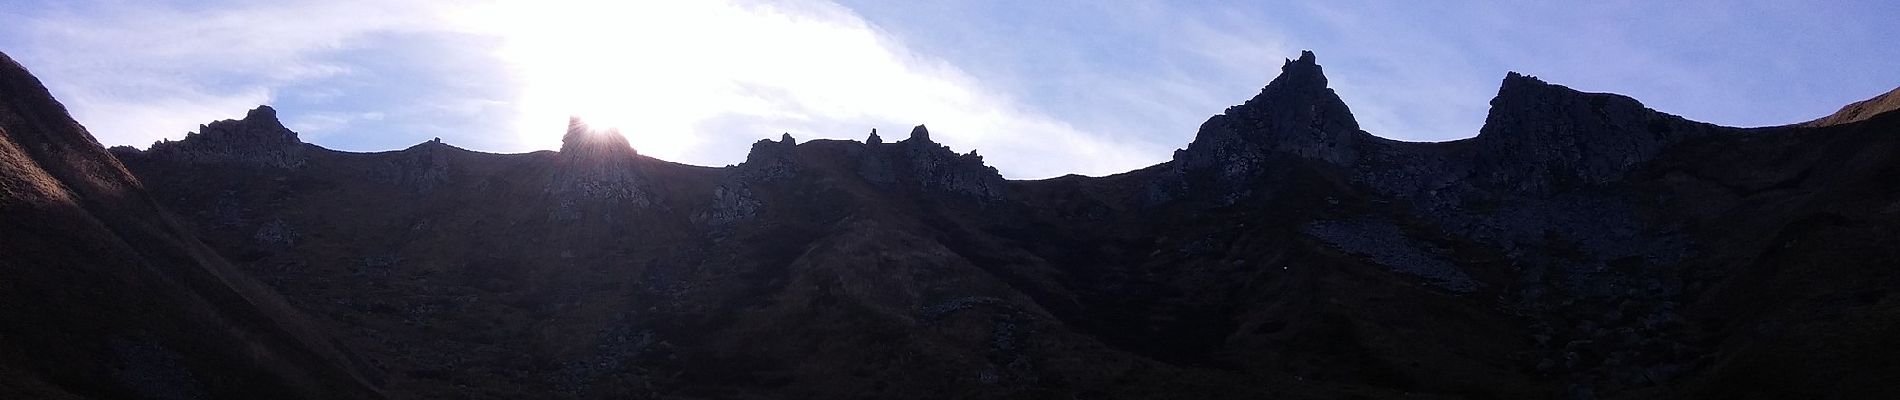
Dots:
pixel 1580 246
pixel 1860 110
pixel 107 296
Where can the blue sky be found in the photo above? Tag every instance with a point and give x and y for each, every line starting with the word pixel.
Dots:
pixel 1040 88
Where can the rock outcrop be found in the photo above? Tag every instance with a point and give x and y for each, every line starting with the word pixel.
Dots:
pixel 421 167
pixel 733 199
pixel 770 160
pixel 258 140
pixel 1295 114
pixel 1539 136
pixel 936 168
pixel 598 165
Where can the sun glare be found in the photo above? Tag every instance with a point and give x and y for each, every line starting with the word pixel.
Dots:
pixel 596 60
pixel 660 71
pixel 671 75
pixel 655 70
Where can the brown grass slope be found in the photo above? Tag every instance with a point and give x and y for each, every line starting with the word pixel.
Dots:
pixel 1860 110
pixel 103 295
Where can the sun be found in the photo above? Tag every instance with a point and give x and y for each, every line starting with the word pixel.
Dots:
pixel 601 61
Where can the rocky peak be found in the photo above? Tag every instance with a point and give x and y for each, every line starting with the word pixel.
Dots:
pixel 420 168
pixel 260 125
pixel 597 164
pixel 919 135
pixel 584 141
pixel 934 167
pixel 1302 75
pixel 770 160
pixel 1295 114
pixel 260 139
pixel 1539 135
pixel 263 113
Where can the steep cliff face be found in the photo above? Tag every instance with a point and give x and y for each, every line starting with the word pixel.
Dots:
pixel 1295 119
pixel 598 165
pixel 934 167
pixel 1541 137
pixel 1296 114
pixel 106 296
pixel 1581 246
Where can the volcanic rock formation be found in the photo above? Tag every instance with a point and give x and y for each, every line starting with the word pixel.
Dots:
pixel 258 140
pixel 1580 245
pixel 597 165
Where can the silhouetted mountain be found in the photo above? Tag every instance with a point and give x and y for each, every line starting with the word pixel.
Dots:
pixel 258 140
pixel 105 296
pixel 1580 245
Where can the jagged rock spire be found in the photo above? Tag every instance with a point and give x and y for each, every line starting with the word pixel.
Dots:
pixel 932 167
pixel 1299 114
pixel 1299 75
pixel 920 134
pixel 1295 114
pixel 597 164
pixel 582 138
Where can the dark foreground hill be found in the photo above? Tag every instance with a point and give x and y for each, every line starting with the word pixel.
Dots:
pixel 1580 246
pixel 104 295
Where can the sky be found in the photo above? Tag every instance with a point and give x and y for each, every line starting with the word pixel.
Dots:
pixel 1040 88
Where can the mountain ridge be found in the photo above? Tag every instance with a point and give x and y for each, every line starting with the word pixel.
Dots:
pixel 1584 246
pixel 110 296
pixel 1302 74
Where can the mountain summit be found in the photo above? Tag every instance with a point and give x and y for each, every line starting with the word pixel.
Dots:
pixel 1537 131
pixel 258 140
pixel 585 141
pixel 598 164
pixel 1296 113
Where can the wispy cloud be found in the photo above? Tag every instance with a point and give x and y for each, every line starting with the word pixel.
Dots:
pixel 1040 88
pixel 695 81
pixel 688 81
pixel 135 72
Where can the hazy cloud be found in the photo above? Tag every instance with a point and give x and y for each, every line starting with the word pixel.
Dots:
pixel 134 72
pixel 1040 88
pixel 697 81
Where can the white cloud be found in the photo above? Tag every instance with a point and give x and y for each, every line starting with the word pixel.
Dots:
pixel 135 72
pixel 677 77
pixel 696 81
pixel 117 121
